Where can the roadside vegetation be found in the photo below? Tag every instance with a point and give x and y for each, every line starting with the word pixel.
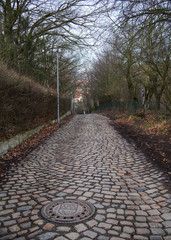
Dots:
pixel 134 64
pixel 25 104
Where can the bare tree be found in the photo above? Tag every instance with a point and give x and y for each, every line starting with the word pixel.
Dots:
pixel 30 29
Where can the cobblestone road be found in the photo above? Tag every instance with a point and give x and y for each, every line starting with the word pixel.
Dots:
pixel 86 159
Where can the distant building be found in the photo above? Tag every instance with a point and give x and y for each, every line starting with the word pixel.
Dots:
pixel 79 93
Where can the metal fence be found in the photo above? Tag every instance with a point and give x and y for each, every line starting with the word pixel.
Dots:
pixel 130 106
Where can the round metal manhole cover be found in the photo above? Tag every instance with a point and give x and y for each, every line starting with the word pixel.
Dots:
pixel 67 211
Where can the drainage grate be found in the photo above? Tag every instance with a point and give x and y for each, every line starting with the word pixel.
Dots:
pixel 67 211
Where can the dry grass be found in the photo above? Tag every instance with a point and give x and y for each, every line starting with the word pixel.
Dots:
pixel 25 104
pixel 12 77
pixel 148 122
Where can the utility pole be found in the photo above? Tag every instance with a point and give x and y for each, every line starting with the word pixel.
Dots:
pixel 72 104
pixel 58 117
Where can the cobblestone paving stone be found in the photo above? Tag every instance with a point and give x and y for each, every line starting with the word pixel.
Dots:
pixel 86 159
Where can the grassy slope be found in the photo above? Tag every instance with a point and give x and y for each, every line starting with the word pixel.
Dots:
pixel 24 104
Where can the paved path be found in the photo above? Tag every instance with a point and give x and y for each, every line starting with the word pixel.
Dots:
pixel 87 160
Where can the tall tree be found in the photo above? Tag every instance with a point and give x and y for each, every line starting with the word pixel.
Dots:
pixel 30 28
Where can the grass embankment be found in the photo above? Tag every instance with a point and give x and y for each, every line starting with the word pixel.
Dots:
pixel 148 122
pixel 25 104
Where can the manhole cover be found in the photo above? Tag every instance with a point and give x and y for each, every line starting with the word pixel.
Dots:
pixel 68 211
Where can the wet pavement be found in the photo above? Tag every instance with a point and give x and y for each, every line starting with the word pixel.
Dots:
pixel 86 160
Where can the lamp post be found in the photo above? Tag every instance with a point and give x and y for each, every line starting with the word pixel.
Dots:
pixel 58 118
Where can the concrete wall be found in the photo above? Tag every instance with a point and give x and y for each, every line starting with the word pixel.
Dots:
pixel 13 142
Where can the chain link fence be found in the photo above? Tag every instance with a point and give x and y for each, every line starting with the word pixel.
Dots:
pixel 129 106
